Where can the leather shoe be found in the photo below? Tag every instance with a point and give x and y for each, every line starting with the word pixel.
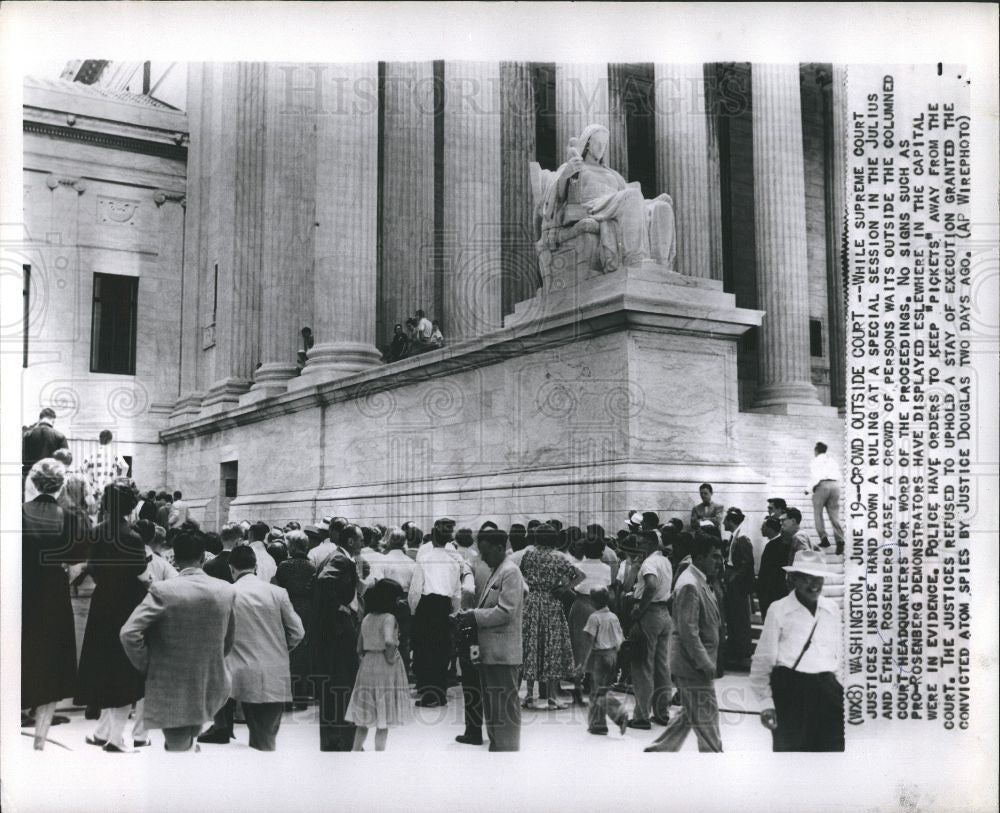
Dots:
pixel 111 748
pixel 642 725
pixel 465 739
pixel 59 719
pixel 597 731
pixel 216 737
pixel 661 720
pixel 428 703
pixel 96 741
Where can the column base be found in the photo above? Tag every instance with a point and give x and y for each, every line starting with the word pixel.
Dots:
pixel 269 380
pixel 792 393
pixel 187 405
pixel 223 395
pixel 328 362
pixel 813 410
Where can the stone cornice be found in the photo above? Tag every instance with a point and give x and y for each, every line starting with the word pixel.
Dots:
pixel 611 314
pixel 162 144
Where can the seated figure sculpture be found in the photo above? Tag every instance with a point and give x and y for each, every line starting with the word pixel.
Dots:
pixel 590 221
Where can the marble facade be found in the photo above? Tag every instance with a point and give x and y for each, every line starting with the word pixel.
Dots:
pixel 344 197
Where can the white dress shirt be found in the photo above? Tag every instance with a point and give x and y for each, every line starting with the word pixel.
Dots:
pixel 786 630
pixel 438 572
pixel 395 565
pixel 427 547
pixel 596 574
pixel 266 568
pixel 823 467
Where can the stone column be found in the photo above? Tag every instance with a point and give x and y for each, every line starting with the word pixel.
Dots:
pixel 406 259
pixel 581 99
pixel 189 398
pixel 286 245
pixel 618 142
pixel 521 279
pixel 227 197
pixel 714 170
pixel 682 162
pixel 346 251
pixel 834 115
pixel 472 195
pixel 780 235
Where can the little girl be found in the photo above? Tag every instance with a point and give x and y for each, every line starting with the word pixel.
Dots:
pixel 381 693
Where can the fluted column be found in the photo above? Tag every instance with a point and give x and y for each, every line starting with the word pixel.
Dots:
pixel 235 286
pixel 472 195
pixel 834 115
pixel 346 251
pixel 780 235
pixel 682 162
pixel 714 170
pixel 286 245
pixel 618 142
pixel 521 278
pixel 406 267
pixel 581 99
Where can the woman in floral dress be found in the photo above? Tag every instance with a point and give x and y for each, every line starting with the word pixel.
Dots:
pixel 548 654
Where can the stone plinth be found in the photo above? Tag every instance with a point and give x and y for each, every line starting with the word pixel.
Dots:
pixel 623 394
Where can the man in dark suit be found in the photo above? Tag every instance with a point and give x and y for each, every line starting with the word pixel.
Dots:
pixel 771 579
pixel 335 656
pixel 497 617
pixel 738 576
pixel 40 441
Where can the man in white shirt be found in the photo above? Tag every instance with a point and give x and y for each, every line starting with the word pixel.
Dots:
pixel 824 483
pixel 796 668
pixel 178 511
pixel 435 592
pixel 266 567
pixel 105 466
pixel 651 674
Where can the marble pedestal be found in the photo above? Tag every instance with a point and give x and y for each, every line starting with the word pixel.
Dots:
pixel 613 393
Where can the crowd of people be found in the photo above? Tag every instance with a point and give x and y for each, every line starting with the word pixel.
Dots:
pixel 187 626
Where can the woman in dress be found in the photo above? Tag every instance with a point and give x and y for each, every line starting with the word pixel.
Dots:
pixel 381 696
pixel 106 677
pixel 297 574
pixel 548 654
pixel 48 638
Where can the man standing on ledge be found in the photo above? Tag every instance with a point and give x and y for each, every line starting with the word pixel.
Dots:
pixel 706 509
pixel 824 482
pixel 797 663
pixel 694 651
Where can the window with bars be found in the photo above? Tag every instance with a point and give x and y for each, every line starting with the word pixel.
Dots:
pixel 114 324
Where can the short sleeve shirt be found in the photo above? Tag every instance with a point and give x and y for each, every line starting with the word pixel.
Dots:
pixel 604 627
pixel 658 565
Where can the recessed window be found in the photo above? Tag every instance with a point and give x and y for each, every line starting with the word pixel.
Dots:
pixel 113 326
pixel 815 338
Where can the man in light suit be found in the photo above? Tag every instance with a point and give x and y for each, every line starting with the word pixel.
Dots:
pixel 497 617
pixel 179 636
pixel 267 629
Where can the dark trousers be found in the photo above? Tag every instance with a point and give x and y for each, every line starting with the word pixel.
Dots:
pixel 809 709
pixel 180 738
pixel 501 706
pixel 223 720
pixel 472 694
pixel 263 721
pixel 432 646
pixel 602 669
pixel 335 733
pixel 739 642
pixel 405 621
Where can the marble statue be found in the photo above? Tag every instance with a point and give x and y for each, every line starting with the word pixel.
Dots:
pixel 590 219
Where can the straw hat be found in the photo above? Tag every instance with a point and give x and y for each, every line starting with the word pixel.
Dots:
pixel 810 562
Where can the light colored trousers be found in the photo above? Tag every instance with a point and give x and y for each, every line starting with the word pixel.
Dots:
pixel 827 495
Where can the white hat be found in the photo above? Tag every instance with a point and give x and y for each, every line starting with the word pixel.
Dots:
pixel 810 562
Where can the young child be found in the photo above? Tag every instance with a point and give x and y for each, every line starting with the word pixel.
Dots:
pixel 381 693
pixel 603 636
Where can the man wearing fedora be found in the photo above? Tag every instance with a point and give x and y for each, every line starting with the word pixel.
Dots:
pixel 796 667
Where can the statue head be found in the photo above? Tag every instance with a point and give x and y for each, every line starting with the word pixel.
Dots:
pixel 594 141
